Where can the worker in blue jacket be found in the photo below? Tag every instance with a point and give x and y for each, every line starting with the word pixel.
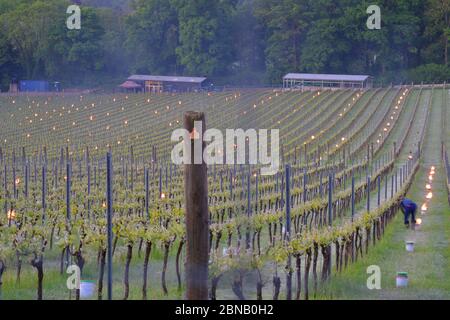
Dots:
pixel 408 208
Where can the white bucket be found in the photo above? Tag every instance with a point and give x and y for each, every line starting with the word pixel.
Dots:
pixel 87 289
pixel 410 246
pixel 402 280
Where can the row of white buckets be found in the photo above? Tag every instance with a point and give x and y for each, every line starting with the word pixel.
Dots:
pixel 402 276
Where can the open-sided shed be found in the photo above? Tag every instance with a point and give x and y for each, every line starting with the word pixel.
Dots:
pixel 302 80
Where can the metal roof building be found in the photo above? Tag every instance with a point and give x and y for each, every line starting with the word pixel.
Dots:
pixel 151 83
pixel 302 80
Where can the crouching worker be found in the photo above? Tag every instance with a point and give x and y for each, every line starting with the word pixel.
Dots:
pixel 408 208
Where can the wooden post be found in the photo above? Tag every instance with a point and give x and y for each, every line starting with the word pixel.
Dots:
pixel 88 169
pixel 147 193
pixel 276 185
pixel 306 155
pixel 305 185
pixel 44 191
pixel 14 182
pixel 249 211
pixel 385 188
pixel 109 190
pixel 5 180
pixel 330 213
pixel 231 185
pixel 288 233
pixel 256 192
pixel 197 217
pixel 379 191
pixel 26 180
pixel 166 182
pixel 68 210
pixel 160 182
pixel 321 184
pixel 353 197
pixel 392 186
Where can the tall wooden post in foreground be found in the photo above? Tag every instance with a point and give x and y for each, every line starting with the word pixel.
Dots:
pixel 197 218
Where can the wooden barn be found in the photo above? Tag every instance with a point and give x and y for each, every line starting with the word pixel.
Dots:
pixel 156 84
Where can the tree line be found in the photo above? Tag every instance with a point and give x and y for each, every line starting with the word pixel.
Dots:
pixel 230 41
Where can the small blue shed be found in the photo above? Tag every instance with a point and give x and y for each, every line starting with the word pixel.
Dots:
pixel 34 86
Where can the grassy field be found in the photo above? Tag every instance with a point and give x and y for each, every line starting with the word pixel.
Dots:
pixel 428 266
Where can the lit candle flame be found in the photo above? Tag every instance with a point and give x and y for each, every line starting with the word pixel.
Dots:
pixel 424 207
pixel 429 195
pixel 11 214
pixel 419 221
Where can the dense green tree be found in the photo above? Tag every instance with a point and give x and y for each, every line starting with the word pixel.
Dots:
pixel 27 29
pixel 44 47
pixel 116 60
pixel 248 42
pixel 438 30
pixel 78 52
pixel 285 22
pixel 205 46
pixel 153 37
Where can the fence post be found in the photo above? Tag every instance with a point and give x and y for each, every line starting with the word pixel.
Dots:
pixel 353 197
pixel 256 192
pixel 305 182
pixel 288 233
pixel 379 191
pixel 44 190
pixel 68 191
pixel 147 193
pixel 109 206
pixel 330 213
pixel 197 217
pixel 321 184
pixel 5 182
pixel 385 188
pixel 368 193
pixel 88 169
pixel 249 211
pixel 160 182
pixel 26 180
pixel 396 181
pixel 14 182
pixel 231 185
